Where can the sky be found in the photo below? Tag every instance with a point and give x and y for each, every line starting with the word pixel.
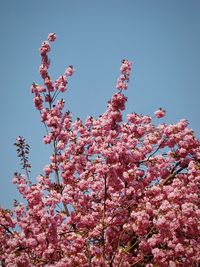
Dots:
pixel 162 38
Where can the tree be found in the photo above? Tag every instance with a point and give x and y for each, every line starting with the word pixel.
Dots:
pixel 114 194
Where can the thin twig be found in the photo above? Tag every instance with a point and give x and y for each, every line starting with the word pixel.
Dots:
pixel 7 229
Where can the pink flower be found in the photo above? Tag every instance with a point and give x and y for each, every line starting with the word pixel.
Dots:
pixel 69 71
pixel 45 48
pixel 48 169
pixel 48 138
pixel 43 71
pixel 51 37
pixel 61 145
pixel 160 113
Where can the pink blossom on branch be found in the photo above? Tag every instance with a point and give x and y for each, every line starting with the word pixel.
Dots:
pixel 51 37
pixel 69 71
pixel 160 113
pixel 113 193
pixel 122 82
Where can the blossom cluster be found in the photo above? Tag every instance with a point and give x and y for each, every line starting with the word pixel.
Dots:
pixel 50 89
pixel 122 82
pixel 114 193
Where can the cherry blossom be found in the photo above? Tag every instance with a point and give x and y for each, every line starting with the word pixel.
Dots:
pixel 114 193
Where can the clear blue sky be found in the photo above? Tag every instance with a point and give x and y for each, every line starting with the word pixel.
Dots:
pixel 161 37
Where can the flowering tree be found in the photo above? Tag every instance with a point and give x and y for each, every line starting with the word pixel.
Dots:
pixel 114 193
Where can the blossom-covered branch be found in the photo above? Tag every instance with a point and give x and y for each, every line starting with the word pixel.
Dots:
pixel 130 189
